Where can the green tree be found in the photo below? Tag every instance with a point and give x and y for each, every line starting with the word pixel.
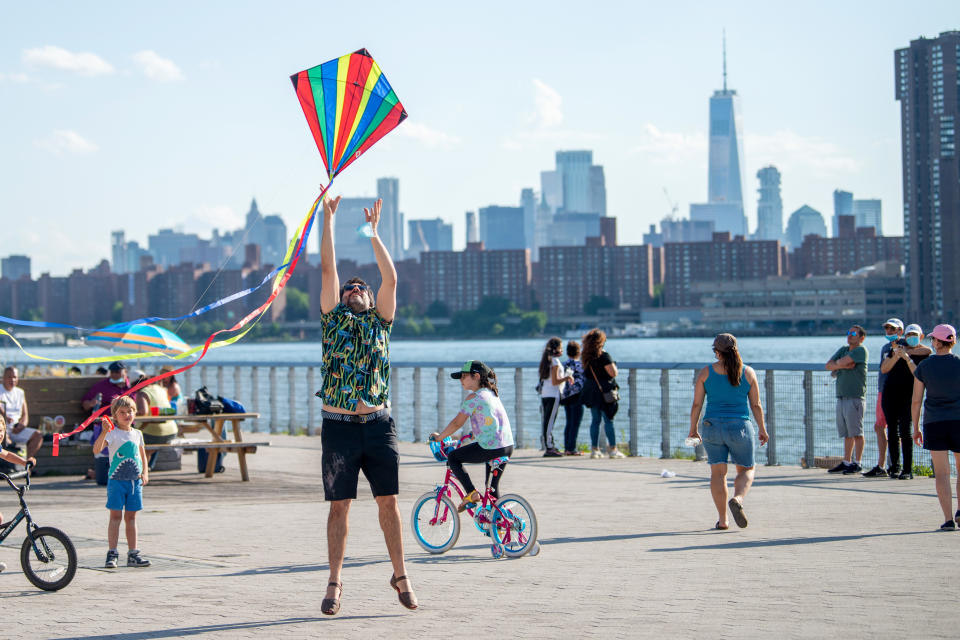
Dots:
pixel 496 306
pixel 298 305
pixel 532 323
pixel 595 303
pixel 658 295
pixel 116 314
pixel 438 309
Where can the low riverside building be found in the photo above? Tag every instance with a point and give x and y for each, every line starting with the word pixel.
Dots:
pixel 462 279
pixel 868 297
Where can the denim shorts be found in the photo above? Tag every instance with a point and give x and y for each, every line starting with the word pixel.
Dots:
pixel 728 438
pixel 124 495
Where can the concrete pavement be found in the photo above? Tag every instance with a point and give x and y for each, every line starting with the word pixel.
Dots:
pixel 625 554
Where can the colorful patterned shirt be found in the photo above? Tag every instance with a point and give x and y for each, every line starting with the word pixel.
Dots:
pixel 356 358
pixel 488 419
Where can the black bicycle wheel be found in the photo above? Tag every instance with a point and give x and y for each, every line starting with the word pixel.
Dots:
pixel 48 558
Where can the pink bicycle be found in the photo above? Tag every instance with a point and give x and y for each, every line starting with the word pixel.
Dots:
pixel 509 520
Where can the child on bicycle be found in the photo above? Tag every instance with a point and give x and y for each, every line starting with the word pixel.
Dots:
pixel 10 456
pixel 488 423
pixel 128 473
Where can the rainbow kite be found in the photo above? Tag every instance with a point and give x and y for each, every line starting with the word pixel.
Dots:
pixel 349 106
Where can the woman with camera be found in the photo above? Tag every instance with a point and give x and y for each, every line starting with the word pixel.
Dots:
pixel 896 395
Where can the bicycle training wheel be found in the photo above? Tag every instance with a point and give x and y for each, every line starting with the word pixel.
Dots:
pixel 436 525
pixel 48 558
pixel 514 525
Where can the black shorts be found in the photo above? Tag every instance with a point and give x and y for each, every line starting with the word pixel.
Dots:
pixel 349 447
pixel 942 436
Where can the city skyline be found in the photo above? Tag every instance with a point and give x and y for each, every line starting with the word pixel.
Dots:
pixel 114 109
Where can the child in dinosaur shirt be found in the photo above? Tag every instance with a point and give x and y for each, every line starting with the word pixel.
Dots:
pixel 128 473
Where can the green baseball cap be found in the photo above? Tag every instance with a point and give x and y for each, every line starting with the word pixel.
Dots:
pixel 471 366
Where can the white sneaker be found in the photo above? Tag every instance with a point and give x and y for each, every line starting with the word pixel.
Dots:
pixel 616 453
pixel 596 453
pixel 3 567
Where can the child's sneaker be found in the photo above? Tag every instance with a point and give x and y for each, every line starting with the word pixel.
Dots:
pixel 134 560
pixel 112 558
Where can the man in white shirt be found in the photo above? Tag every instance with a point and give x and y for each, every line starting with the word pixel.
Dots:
pixel 14 406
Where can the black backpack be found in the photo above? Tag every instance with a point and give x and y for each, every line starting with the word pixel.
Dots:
pixel 206 404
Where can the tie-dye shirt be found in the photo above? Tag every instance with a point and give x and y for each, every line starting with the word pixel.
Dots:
pixel 488 419
pixel 356 358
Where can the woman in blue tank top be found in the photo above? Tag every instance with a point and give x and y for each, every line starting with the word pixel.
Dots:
pixel 731 393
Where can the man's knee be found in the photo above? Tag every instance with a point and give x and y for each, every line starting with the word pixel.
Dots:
pixel 387 502
pixel 339 508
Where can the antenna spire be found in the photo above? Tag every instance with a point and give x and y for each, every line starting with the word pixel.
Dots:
pixel 724 60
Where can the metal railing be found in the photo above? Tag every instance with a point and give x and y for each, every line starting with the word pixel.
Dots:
pixel 654 415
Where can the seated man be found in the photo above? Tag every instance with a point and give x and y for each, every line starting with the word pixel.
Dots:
pixel 100 395
pixel 14 404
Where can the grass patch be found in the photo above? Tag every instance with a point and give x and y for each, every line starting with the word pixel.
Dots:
pixel 922 470
pixel 681 454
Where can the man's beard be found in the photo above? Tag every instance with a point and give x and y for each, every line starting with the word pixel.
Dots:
pixel 358 304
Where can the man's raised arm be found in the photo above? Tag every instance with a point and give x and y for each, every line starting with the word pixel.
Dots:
pixel 387 295
pixel 330 282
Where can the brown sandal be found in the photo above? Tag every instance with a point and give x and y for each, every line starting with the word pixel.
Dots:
pixel 330 606
pixel 407 598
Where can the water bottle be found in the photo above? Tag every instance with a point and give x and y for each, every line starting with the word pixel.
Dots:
pixel 98 400
pixel 691 442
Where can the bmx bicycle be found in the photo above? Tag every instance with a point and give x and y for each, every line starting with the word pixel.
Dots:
pixel 509 521
pixel 47 556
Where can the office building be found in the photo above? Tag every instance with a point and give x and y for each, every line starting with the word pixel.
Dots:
pixel 462 279
pixel 769 205
pixel 15 267
pixel 804 222
pixel 867 213
pixel 926 81
pixel 473 229
pixel 390 228
pixel 350 243
pixel 166 246
pixel 502 227
pixel 528 202
pixel 428 235
pixel 724 206
pixel 842 206
pixel 572 229
pixel 672 230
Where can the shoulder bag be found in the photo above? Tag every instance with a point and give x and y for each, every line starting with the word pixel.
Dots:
pixel 609 397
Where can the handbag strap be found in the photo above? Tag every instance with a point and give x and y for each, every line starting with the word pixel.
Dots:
pixel 594 374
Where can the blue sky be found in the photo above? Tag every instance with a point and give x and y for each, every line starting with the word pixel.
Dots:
pixel 139 116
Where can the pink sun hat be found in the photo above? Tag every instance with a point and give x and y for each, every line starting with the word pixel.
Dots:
pixel 944 333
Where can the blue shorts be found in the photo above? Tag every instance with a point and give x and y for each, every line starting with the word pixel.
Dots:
pixel 124 495
pixel 728 438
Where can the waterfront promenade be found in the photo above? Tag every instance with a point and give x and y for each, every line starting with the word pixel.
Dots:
pixel 625 554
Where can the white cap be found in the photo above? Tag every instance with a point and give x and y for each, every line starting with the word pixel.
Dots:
pixel 894 322
pixel 913 328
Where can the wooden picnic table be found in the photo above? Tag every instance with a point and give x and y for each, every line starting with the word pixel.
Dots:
pixel 214 423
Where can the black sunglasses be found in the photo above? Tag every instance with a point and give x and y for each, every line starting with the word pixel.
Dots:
pixel 356 286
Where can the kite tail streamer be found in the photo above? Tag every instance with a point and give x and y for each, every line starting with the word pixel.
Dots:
pixel 278 285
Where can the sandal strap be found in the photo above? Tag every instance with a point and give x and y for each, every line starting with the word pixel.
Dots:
pixel 399 578
pixel 335 584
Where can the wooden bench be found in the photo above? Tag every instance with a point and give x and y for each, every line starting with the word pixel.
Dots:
pixel 49 397
pixel 214 448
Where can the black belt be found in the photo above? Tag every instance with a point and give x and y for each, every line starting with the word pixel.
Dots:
pixel 358 418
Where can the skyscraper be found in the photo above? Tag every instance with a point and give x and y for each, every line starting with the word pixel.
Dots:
pixel 724 204
pixel 15 267
pixel 429 235
pixel 502 227
pixel 528 202
pixel 769 206
pixel 473 231
pixel 390 229
pixel 868 214
pixel 805 221
pixel 842 206
pixel 927 84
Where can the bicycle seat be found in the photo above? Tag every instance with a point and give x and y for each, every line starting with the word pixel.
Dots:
pixel 496 463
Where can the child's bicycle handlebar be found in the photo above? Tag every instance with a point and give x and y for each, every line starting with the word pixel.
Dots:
pixel 15 476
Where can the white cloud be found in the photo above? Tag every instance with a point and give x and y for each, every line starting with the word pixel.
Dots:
pixel 156 67
pixel 790 150
pixel 62 142
pixel 19 78
pixel 548 104
pixel 671 147
pixel 85 64
pixel 428 136
pixel 216 216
